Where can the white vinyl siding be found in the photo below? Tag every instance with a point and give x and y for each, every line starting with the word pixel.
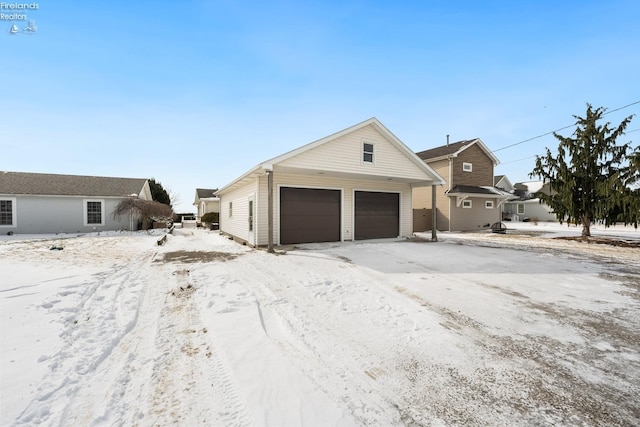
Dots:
pixel 238 225
pixel 347 186
pixel 238 200
pixel 345 154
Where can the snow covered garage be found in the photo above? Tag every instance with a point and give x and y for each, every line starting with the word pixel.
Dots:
pixel 354 184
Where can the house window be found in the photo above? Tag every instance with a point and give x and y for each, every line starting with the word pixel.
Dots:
pixel 488 204
pixel 7 212
pixel 93 212
pixel 230 209
pixel 466 204
pixel 520 208
pixel 367 152
pixel 467 167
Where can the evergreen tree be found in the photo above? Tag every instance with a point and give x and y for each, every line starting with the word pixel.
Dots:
pixel 592 178
pixel 158 193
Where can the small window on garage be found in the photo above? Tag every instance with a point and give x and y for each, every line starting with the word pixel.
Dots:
pixel 230 209
pixel 520 208
pixel 367 152
pixel 488 204
pixel 467 167
pixel 466 204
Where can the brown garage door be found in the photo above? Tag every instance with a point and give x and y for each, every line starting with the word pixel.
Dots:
pixel 377 215
pixel 309 215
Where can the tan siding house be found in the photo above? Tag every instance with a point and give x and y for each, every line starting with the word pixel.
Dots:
pixel 354 184
pixel 468 200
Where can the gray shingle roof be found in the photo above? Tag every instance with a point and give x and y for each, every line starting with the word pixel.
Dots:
pixel 205 193
pixel 444 150
pixel 68 185
pixel 473 189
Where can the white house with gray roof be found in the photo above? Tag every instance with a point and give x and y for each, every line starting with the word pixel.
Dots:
pixel 37 203
pixel 206 201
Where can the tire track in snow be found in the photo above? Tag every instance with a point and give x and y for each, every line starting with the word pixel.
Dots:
pixel 191 382
pixel 310 321
pixel 106 313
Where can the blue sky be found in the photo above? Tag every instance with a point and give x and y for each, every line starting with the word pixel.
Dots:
pixel 195 93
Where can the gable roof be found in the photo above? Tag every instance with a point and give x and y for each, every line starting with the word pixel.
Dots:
pixel 455 148
pixel 508 186
pixel 68 185
pixel 480 190
pixel 375 123
pixel 205 193
pixel 530 186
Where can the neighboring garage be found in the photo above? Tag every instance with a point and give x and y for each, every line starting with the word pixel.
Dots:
pixel 309 215
pixel 377 215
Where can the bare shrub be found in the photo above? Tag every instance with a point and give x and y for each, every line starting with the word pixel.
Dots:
pixel 146 210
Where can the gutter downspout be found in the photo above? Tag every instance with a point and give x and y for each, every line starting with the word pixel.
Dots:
pixel 434 215
pixel 270 210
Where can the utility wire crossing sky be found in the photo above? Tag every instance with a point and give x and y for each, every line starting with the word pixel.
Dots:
pixel 195 93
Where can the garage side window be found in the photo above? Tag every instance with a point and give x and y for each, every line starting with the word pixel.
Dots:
pixel 367 152
pixel 7 212
pixel 93 212
pixel 230 209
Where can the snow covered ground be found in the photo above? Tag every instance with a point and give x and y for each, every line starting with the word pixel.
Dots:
pixel 477 329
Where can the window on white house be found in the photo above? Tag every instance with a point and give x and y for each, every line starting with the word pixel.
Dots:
pixel 467 167
pixel 230 209
pixel 488 204
pixel 94 212
pixel 7 207
pixel 520 208
pixel 367 152
pixel 466 204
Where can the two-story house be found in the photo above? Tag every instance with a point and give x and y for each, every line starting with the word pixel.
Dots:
pixel 469 200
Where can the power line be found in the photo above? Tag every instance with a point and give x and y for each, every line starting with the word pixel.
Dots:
pixel 565 127
pixel 535 155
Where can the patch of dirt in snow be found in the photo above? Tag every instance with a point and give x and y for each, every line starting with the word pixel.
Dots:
pixel 196 256
pixel 604 241
pixel 536 377
pixel 625 251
